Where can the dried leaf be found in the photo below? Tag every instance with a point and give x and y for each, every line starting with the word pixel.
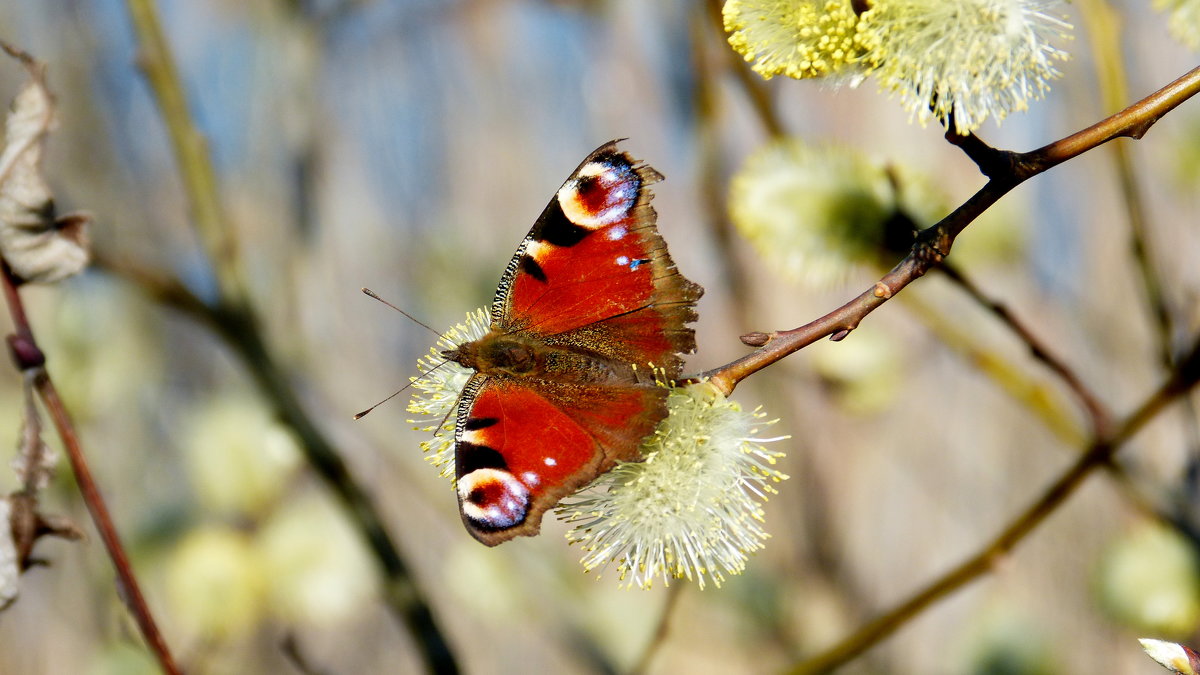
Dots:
pixel 35 460
pixel 37 245
pixel 10 571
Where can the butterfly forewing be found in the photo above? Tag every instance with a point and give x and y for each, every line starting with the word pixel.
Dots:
pixel 595 254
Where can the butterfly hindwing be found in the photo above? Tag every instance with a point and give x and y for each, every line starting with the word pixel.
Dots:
pixel 520 449
pixel 590 315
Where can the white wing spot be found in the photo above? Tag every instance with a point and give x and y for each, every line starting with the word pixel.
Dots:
pixel 595 169
pixel 622 260
pixel 537 249
pixel 550 461
pixel 617 233
pixel 530 478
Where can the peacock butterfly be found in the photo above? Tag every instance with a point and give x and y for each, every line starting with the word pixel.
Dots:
pixel 589 316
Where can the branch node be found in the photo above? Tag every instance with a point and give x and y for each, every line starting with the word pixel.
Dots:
pixel 991 161
pixel 882 291
pixel 756 338
pixel 928 250
pixel 839 335
pixel 25 353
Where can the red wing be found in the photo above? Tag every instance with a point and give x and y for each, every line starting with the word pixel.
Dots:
pixel 594 256
pixel 520 447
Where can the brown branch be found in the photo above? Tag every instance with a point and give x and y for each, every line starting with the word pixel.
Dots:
pixel 30 360
pixel 1104 37
pixel 991 162
pixel 233 317
pixel 1132 122
pixel 931 247
pixel 711 175
pixel 754 86
pixel 1099 453
pixel 240 333
pixel 190 148
pixel 821 544
pixel 933 244
pixel 659 638
pixel 1097 414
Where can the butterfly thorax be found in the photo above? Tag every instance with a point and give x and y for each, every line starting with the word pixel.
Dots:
pixel 524 356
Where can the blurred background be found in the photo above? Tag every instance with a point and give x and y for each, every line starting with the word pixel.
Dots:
pixel 407 146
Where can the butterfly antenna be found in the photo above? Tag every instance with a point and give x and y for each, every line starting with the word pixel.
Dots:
pixel 414 319
pixel 396 393
pixel 449 412
pixel 364 413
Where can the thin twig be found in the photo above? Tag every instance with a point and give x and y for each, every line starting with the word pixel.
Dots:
pixel 752 84
pixel 705 104
pixel 232 317
pixel 1037 398
pixel 1097 413
pixel 1099 453
pixel 1104 34
pixel 28 524
pixel 660 632
pixel 933 244
pixel 1035 395
pixel 190 148
pixel 401 594
pixel 30 359
pixel 290 647
pixel 991 162
pixel 1006 171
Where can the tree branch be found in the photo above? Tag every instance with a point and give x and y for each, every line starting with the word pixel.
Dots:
pixel 933 244
pixel 30 360
pixel 233 318
pixel 1098 415
pixel 1099 453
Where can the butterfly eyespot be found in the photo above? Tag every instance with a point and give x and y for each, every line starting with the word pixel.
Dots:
pixel 600 195
pixel 493 499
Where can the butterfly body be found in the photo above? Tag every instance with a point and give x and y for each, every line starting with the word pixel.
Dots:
pixel 589 315
pixel 525 357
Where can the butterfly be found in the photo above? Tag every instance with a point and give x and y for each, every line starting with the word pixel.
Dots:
pixel 589 319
